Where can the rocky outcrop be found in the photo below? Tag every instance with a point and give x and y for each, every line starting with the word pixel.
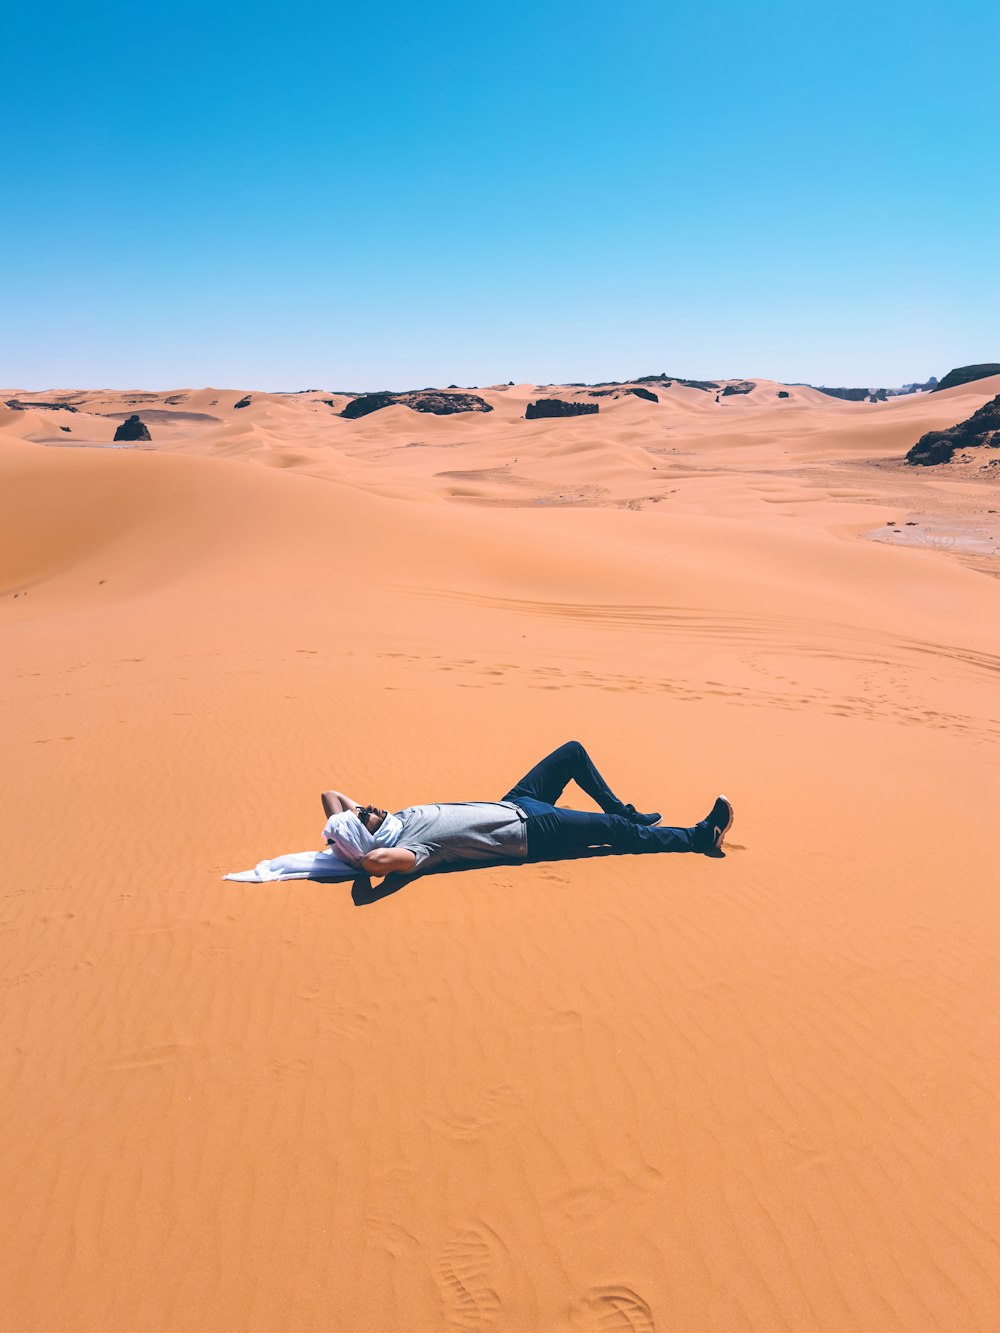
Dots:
pixel 739 386
pixel 873 395
pixel 967 375
pixel 647 394
pixel 854 395
pixel 667 380
pixel 445 404
pixel 981 430
pixel 366 403
pixel 22 405
pixel 849 395
pixel 664 379
pixel 244 402
pixel 558 407
pixel 440 402
pixel 783 393
pixel 132 428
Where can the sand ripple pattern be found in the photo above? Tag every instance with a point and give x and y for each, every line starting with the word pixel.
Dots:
pixel 463 1274
pixel 751 1095
pixel 613 1310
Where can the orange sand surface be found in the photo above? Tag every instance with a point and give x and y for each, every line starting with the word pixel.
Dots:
pixel 618 1094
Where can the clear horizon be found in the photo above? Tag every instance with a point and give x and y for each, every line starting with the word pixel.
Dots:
pixel 406 197
pixel 404 388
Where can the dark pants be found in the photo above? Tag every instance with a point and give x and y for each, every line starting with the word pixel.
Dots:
pixel 556 833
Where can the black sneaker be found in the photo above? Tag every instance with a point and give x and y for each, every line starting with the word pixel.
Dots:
pixel 716 825
pixel 637 817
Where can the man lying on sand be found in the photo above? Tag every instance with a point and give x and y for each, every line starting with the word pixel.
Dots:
pixel 525 825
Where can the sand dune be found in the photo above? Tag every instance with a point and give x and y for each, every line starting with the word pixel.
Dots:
pixel 616 1094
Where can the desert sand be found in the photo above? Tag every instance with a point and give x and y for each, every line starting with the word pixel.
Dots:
pixel 617 1094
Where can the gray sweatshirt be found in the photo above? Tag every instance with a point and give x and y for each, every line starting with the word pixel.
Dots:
pixel 463 831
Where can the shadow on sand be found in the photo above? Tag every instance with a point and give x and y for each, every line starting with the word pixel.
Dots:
pixel 364 893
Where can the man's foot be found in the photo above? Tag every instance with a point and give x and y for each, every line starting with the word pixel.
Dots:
pixel 715 826
pixel 637 817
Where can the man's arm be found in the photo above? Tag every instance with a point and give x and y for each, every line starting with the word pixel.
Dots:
pixel 387 860
pixel 335 803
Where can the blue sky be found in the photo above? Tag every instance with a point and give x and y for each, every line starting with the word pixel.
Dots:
pixel 281 197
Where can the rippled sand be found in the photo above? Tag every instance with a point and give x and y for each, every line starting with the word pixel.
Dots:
pixel 619 1094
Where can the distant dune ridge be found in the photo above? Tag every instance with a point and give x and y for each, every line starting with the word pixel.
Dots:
pixel 613 1094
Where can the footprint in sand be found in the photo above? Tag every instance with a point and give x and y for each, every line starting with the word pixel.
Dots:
pixel 463 1275
pixel 612 1310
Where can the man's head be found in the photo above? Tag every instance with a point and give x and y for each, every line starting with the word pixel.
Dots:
pixel 352 835
pixel 371 816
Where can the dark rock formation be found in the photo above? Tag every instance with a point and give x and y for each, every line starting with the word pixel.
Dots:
pixel 22 405
pixel 624 393
pixel 437 401
pixel 558 407
pixel 667 380
pixel 849 395
pixel 445 404
pixel 967 374
pixel 66 428
pixel 783 393
pixel 368 402
pixel 244 402
pixel 741 386
pixel 132 428
pixel 855 395
pixel 980 430
pixel 875 395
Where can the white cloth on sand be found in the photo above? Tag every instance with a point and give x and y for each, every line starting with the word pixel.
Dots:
pixel 349 841
pixel 298 865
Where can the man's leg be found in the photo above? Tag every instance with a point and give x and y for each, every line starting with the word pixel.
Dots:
pixel 561 833
pixel 570 763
